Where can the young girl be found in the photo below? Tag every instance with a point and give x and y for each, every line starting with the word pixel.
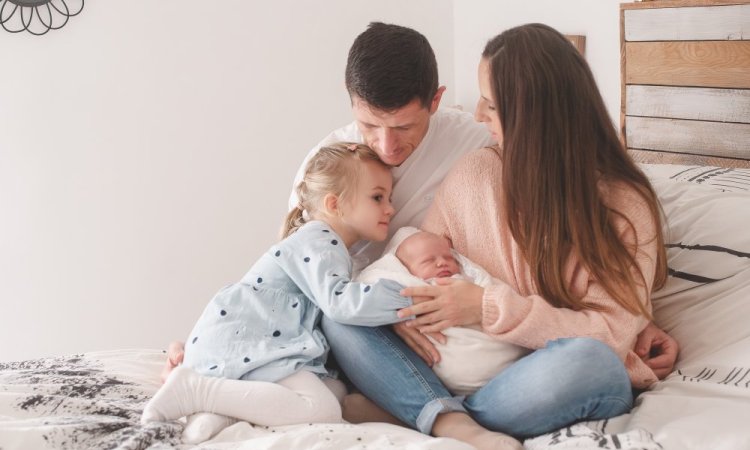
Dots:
pixel 257 352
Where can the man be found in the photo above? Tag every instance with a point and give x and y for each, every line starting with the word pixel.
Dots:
pixel 391 76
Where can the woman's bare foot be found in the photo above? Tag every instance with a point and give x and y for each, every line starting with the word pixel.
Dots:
pixel 462 427
pixel 356 408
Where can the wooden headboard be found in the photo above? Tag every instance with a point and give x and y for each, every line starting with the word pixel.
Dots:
pixel 686 81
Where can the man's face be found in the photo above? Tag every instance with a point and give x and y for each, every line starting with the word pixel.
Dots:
pixel 393 135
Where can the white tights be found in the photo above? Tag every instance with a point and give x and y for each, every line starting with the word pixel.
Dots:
pixel 299 398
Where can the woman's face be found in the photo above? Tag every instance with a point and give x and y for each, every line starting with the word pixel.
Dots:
pixel 486 109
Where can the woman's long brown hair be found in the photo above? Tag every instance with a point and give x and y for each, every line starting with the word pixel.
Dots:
pixel 558 143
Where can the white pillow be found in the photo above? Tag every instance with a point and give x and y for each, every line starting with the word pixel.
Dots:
pixel 706 233
pixel 706 301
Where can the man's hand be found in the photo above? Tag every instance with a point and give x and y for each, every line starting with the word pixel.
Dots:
pixel 175 355
pixel 419 342
pixel 657 349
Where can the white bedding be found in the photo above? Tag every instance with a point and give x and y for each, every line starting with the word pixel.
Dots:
pixel 94 400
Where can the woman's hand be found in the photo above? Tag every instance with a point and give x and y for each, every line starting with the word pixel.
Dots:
pixel 419 342
pixel 657 349
pixel 450 303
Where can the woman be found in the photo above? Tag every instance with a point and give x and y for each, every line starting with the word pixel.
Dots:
pixel 559 213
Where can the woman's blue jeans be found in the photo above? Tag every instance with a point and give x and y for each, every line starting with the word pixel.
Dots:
pixel 567 381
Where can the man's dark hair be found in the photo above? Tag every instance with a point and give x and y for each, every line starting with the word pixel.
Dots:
pixel 390 65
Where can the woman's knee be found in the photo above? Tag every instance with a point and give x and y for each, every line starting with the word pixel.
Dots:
pixel 567 381
pixel 593 362
pixel 589 368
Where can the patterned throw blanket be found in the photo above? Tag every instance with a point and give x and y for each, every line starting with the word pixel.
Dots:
pixel 94 401
pixel 75 402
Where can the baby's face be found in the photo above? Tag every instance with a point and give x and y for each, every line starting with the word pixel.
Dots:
pixel 427 255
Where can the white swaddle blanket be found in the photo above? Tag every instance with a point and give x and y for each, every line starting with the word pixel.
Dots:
pixel 469 358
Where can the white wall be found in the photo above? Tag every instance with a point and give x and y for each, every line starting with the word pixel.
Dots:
pixel 147 151
pixel 476 21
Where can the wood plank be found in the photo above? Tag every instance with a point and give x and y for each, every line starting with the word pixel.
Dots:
pixel 717 23
pixel 720 105
pixel 701 64
pixel 652 157
pixel 679 4
pixel 579 41
pixel 728 140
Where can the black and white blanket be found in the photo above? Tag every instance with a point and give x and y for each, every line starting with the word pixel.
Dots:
pixel 94 401
pixel 77 402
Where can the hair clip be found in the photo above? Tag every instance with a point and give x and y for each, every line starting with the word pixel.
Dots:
pixel 352 147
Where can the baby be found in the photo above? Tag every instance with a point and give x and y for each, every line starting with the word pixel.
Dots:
pixel 469 358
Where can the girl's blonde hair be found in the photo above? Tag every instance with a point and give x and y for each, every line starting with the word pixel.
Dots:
pixel 333 170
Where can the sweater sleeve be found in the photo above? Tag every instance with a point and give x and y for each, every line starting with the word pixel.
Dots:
pixel 530 321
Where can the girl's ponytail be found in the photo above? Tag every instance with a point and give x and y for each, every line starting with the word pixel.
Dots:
pixel 293 221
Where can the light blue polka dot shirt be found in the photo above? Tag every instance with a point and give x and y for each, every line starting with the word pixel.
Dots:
pixel 266 327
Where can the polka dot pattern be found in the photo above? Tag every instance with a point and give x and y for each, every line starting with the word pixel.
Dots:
pixel 305 260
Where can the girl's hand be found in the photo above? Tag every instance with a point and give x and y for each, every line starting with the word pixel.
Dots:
pixel 175 355
pixel 419 342
pixel 450 303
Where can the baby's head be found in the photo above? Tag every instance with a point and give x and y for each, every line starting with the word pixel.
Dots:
pixel 427 255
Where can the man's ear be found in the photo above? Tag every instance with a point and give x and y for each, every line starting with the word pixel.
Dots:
pixel 436 99
pixel 331 204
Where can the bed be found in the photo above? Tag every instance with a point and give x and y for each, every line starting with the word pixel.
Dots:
pixel 686 119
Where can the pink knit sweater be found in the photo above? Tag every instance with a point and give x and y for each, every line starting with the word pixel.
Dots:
pixel 468 209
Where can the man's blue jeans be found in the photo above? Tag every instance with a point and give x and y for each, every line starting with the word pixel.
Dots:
pixel 568 381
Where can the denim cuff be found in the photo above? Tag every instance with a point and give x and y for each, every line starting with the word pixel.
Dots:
pixel 426 418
